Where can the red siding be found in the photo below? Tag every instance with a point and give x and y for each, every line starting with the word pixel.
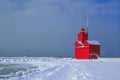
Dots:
pixel 82 36
pixel 94 51
pixel 82 53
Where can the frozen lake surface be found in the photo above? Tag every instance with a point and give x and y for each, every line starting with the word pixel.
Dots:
pixel 50 68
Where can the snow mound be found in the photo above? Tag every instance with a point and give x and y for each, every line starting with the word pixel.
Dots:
pixel 49 68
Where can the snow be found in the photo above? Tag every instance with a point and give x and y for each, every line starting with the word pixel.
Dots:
pixel 81 44
pixel 93 42
pixel 49 68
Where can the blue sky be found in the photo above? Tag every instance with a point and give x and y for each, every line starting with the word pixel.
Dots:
pixel 50 27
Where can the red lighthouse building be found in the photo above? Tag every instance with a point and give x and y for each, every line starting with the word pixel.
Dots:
pixel 84 48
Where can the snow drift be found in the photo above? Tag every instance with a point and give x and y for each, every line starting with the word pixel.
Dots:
pixel 46 68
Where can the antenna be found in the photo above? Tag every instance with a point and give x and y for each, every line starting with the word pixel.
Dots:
pixel 87 22
pixel 87 25
pixel 80 23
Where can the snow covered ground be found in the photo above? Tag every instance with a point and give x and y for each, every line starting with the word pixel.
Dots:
pixel 49 68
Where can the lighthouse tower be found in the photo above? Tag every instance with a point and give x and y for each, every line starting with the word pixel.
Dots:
pixel 84 48
pixel 83 35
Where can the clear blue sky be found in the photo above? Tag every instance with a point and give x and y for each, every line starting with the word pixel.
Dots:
pixel 50 27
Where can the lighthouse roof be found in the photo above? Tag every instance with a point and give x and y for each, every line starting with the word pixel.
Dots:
pixel 83 29
pixel 93 42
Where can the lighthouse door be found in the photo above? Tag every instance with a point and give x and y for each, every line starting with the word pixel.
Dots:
pixel 93 55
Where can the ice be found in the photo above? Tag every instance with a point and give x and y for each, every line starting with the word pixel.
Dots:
pixel 50 68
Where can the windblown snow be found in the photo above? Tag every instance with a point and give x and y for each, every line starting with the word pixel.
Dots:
pixel 49 68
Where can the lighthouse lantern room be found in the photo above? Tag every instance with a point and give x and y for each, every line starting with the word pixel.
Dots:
pixel 84 48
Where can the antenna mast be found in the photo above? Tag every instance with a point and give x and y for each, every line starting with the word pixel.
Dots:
pixel 80 25
pixel 87 24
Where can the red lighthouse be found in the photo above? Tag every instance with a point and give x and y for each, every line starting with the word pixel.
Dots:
pixel 86 49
